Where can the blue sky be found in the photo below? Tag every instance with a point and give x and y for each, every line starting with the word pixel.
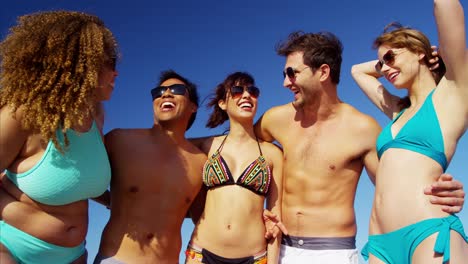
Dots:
pixel 207 40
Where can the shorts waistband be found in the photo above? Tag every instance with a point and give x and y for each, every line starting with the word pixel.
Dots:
pixel 319 243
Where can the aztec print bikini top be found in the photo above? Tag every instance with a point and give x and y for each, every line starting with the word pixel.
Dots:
pixel 420 134
pixel 256 177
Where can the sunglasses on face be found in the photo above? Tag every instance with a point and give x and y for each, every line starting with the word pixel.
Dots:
pixel 239 90
pixel 291 72
pixel 388 58
pixel 112 63
pixel 176 89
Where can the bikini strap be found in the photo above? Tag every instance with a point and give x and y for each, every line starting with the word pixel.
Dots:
pixel 398 115
pixel 222 144
pixel 259 148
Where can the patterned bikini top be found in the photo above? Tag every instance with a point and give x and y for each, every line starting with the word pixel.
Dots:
pixel 256 177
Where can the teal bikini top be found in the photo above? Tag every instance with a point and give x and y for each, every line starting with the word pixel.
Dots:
pixel 420 134
pixel 81 172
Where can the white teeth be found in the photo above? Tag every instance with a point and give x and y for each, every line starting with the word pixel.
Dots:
pixel 167 104
pixel 245 105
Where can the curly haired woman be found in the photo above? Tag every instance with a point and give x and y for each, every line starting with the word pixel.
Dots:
pixel 56 69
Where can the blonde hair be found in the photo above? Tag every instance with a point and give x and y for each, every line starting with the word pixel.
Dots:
pixel 50 63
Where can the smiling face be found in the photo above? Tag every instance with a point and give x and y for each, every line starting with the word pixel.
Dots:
pixel 304 82
pixel 240 106
pixel 399 65
pixel 173 107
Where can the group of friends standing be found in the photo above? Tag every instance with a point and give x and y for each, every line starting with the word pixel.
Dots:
pixel 58 67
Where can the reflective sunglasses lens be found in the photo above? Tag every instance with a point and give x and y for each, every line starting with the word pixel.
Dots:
pixel 177 89
pixel 157 92
pixel 236 91
pixel 253 91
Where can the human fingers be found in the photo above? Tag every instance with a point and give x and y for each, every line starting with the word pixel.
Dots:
pixel 451 209
pixel 442 186
pixel 449 204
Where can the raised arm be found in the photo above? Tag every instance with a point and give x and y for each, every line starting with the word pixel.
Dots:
pixel 366 77
pixel 452 41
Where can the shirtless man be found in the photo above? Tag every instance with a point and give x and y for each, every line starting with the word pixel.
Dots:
pixel 156 174
pixel 326 144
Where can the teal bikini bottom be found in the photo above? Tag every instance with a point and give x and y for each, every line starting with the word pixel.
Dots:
pixel 25 248
pixel 397 247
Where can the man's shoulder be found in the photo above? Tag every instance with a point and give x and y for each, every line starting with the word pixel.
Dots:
pixel 358 118
pixel 124 132
pixel 278 109
pixel 123 135
pixel 359 123
pixel 280 112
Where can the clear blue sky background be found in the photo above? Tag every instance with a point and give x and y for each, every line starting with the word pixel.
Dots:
pixel 205 40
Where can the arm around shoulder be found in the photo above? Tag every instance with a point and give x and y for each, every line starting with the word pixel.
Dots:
pixel 271 121
pixel 202 143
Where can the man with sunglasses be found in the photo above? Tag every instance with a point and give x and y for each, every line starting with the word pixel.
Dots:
pixel 155 178
pixel 326 145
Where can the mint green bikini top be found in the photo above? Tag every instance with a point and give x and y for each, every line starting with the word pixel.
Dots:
pixel 81 172
pixel 420 134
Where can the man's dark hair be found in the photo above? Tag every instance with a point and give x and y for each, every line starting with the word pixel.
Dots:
pixel 318 48
pixel 191 88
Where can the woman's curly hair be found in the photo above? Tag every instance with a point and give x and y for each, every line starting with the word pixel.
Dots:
pixel 50 63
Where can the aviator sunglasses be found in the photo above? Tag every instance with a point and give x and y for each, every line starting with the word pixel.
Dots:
pixel 291 72
pixel 176 89
pixel 238 90
pixel 388 58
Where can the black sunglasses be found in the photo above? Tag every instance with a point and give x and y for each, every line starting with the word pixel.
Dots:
pixel 239 90
pixel 176 89
pixel 388 58
pixel 291 72
pixel 112 63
